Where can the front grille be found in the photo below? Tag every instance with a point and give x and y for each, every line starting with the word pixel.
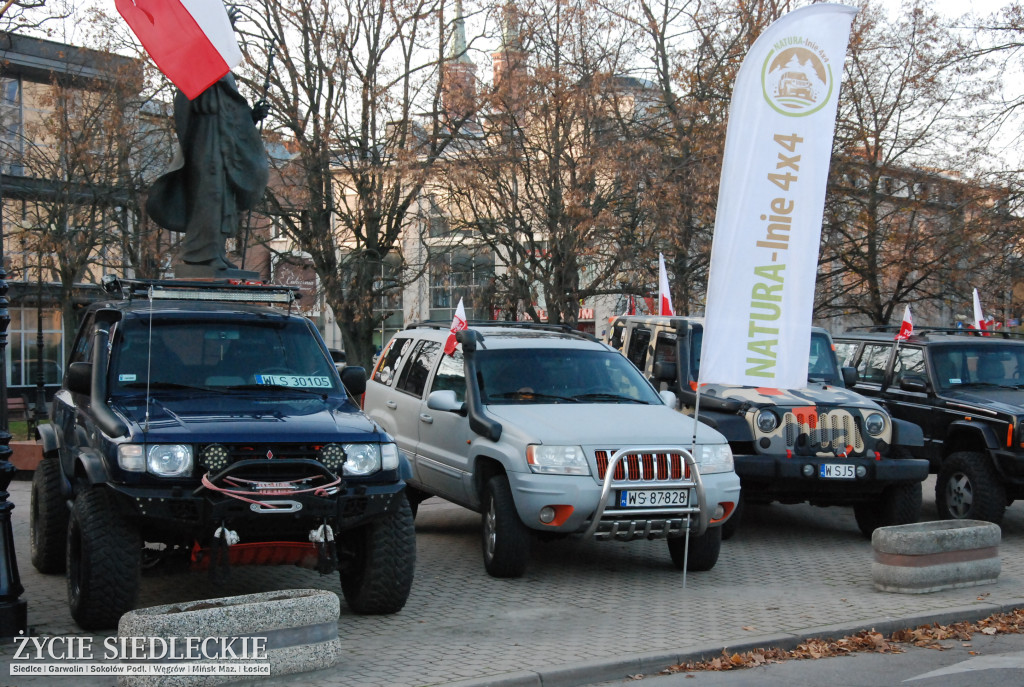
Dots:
pixel 266 459
pixel 828 431
pixel 643 467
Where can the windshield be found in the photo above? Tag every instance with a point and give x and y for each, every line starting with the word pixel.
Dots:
pixel 821 361
pixel 560 375
pixel 999 365
pixel 222 355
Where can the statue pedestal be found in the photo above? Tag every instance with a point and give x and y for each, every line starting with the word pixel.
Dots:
pixel 186 271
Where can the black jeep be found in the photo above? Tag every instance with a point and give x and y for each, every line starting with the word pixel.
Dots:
pixel 195 418
pixel 965 389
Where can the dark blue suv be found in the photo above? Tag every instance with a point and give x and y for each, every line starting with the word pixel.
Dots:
pixel 196 419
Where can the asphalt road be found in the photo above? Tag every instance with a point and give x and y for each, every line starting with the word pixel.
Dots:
pixel 996 661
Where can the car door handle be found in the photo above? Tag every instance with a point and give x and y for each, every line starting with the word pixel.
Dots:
pixel 391 404
pixel 429 419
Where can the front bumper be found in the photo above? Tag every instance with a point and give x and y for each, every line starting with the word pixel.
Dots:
pixel 194 515
pixel 786 478
pixel 581 498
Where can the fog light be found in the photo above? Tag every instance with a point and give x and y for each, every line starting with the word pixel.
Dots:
pixel 808 471
pixel 332 456
pixel 215 458
pixel 719 512
pixel 547 514
pixel 862 471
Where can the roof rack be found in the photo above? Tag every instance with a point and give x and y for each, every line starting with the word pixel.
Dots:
pixel 512 324
pixel 960 331
pixel 224 290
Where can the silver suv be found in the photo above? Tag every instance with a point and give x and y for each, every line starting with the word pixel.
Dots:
pixel 546 430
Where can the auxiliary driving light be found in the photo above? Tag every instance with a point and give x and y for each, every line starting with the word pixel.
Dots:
pixel 332 456
pixel 214 458
pixel 862 471
pixel 808 470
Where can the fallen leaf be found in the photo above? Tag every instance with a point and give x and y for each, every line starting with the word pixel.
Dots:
pixel 749 628
pixel 989 630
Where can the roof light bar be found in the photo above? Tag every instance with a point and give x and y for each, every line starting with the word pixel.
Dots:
pixel 221 291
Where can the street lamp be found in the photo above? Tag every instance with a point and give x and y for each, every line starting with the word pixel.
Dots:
pixel 39 413
pixel 13 610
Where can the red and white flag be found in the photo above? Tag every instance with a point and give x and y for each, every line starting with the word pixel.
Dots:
pixel 458 324
pixel 664 293
pixel 191 41
pixel 907 328
pixel 979 318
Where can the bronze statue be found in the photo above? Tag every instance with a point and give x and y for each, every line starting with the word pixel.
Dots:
pixel 219 171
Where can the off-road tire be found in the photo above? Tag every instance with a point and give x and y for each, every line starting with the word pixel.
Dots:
pixel 48 519
pixel 968 486
pixel 704 550
pixel 504 537
pixel 733 523
pixel 899 504
pixel 104 556
pixel 378 579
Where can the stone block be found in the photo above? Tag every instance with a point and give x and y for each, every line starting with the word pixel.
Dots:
pixel 298 628
pixel 931 556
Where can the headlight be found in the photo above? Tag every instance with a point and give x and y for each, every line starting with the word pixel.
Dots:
pixel 713 458
pixel 557 460
pixel 767 421
pixel 169 460
pixel 874 424
pixel 131 457
pixel 362 459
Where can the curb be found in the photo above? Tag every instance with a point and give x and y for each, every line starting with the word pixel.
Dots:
pixel 621 668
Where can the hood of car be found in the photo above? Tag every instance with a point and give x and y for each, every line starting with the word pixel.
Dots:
pixel 614 425
pixel 240 417
pixel 816 394
pixel 1009 401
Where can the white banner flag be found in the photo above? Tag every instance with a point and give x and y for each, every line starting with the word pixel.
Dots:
pixel 771 198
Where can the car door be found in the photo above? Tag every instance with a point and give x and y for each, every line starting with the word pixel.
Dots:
pixel 394 409
pixel 905 404
pixel 444 437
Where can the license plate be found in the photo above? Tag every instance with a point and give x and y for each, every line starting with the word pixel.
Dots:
pixel 836 471
pixel 653 498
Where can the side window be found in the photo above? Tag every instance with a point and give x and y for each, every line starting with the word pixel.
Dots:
pixel 638 344
pixel 873 361
pixel 909 361
pixel 391 360
pixel 845 353
pixel 450 375
pixel 413 378
pixel 665 349
pixel 82 352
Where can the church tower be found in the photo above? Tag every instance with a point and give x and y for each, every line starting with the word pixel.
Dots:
pixel 458 88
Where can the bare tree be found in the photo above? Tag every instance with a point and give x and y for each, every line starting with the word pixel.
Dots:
pixel 353 88
pixel 901 225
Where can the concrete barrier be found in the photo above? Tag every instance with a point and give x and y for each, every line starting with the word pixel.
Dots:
pixel 291 631
pixel 930 556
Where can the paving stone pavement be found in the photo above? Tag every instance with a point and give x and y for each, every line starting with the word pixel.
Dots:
pixel 584 611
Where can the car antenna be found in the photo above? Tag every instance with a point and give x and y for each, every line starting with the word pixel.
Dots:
pixel 149 357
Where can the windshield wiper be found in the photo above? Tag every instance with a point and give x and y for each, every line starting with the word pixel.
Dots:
pixel 610 397
pixel 277 387
pixel 991 384
pixel 165 385
pixel 531 395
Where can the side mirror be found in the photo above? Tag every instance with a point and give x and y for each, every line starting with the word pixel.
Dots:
pixel 850 376
pixel 664 371
pixel 914 383
pixel 444 400
pixel 669 398
pixel 354 379
pixel 79 378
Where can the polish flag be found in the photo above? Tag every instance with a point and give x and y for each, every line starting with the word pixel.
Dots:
pixel 907 328
pixel 979 318
pixel 664 294
pixel 191 41
pixel 458 324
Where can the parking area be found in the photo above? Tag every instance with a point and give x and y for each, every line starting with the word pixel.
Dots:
pixel 583 610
